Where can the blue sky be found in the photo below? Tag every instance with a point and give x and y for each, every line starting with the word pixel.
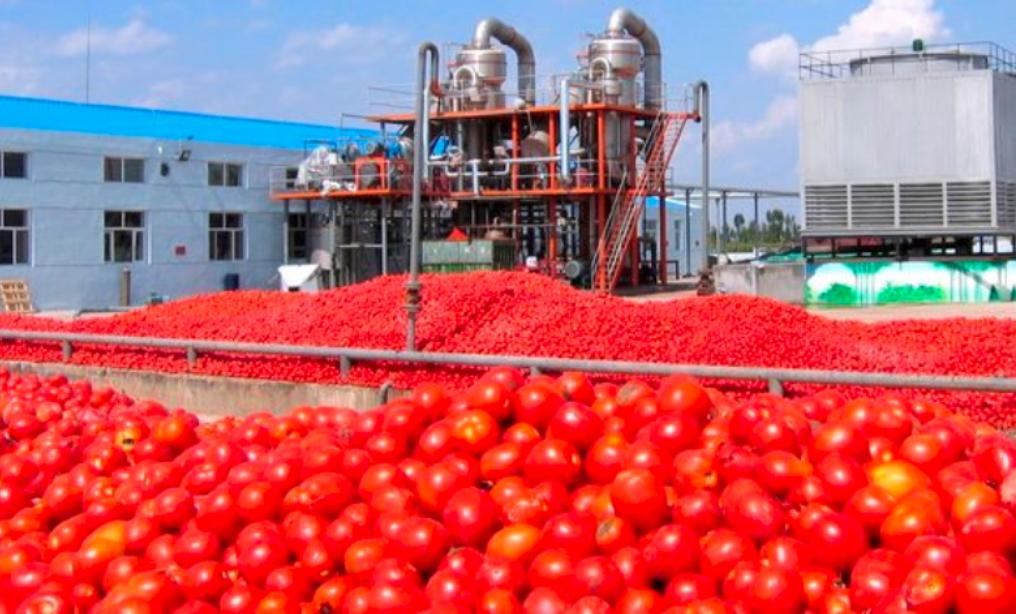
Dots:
pixel 312 59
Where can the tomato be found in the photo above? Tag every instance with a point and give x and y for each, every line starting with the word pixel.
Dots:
pixel 870 506
pixel 971 498
pixel 205 581
pixel 639 498
pixel 257 561
pixel 331 594
pixel 474 431
pixel 571 531
pixel 989 528
pixel 553 459
pixel 754 513
pixel 776 590
pixel 670 550
pixel 576 424
pixel 936 552
pixel 682 394
pixel 577 387
pixel 638 601
pixel 514 542
pixel 927 589
pixel 984 593
pixel 605 458
pixel 836 540
pixel 722 549
pixel 919 513
pixel 543 601
pixel 898 478
pixel 613 534
pixel 685 588
pixel 422 542
pixel 438 483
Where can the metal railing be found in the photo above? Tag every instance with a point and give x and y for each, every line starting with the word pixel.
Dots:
pixel 346 357
pixel 836 64
pixel 398 97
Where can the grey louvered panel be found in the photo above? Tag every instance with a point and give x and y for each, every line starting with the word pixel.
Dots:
pixel 825 207
pixel 921 205
pixel 872 205
pixel 969 203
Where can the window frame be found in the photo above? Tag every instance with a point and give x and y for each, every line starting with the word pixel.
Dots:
pixel 224 174
pixel 122 177
pixel 3 163
pixel 678 234
pixel 25 236
pixel 235 231
pixel 295 229
pixel 136 234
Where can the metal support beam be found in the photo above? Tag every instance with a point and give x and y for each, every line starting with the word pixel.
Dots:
pixel 552 365
pixel 754 238
pixel 285 232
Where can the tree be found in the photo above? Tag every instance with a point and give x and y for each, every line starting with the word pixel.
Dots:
pixel 739 226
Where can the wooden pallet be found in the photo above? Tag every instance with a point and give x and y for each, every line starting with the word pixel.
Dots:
pixel 15 296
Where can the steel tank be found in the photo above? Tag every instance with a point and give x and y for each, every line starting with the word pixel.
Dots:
pixel 477 77
pixel 614 63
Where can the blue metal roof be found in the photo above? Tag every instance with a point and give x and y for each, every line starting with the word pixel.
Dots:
pixel 653 203
pixel 66 116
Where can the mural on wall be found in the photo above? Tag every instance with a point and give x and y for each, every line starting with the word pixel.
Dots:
pixel 886 282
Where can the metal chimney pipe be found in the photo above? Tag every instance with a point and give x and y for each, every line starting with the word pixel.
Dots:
pixel 421 154
pixel 624 20
pixel 509 36
pixel 702 113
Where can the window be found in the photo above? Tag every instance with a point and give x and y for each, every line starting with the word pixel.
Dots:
pixel 650 229
pixel 124 170
pixel 124 236
pixel 223 174
pixel 225 236
pixel 292 173
pixel 298 236
pixel 678 234
pixel 13 236
pixel 14 165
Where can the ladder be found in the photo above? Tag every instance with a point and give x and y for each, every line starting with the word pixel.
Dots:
pixel 621 227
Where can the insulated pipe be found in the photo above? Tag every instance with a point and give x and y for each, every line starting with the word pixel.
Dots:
pixel 495 28
pixel 624 20
pixel 564 126
pixel 421 153
pixel 702 114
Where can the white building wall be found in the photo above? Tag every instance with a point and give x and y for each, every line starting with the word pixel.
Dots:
pixel 66 196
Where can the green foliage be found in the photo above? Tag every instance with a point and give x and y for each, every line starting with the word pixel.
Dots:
pixel 838 294
pixel 911 294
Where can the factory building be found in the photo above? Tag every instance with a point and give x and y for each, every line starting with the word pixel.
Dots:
pixel 178 202
pixel 684 254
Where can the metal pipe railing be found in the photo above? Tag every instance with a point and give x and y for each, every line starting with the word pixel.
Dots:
pixel 775 377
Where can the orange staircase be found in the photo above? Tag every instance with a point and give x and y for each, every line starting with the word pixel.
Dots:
pixel 622 223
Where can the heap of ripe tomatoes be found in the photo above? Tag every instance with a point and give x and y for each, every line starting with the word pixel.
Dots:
pixel 543 495
pixel 508 313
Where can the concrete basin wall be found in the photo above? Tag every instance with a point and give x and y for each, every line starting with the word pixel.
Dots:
pixel 210 396
pixel 782 281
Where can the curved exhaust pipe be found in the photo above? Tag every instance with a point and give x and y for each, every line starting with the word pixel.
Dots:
pixel 421 156
pixel 625 20
pixel 510 37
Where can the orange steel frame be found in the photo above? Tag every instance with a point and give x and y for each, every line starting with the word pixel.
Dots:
pixel 597 192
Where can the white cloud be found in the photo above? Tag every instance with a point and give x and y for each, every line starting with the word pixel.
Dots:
pixel 777 55
pixel 781 113
pixel 880 24
pixel 19 80
pixel 134 37
pixel 302 47
pixel 163 93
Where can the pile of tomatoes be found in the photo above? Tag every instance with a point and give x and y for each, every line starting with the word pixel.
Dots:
pixel 508 313
pixel 513 495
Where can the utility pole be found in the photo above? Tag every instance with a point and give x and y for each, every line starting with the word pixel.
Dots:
pixel 88 56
